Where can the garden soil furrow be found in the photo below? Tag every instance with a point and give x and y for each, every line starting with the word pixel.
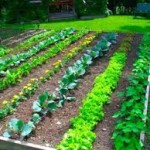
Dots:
pixel 105 128
pixel 53 127
pixel 36 73
pixel 20 39
pixel 6 41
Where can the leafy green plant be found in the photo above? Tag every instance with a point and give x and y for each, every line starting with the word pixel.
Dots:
pixel 130 123
pixel 16 126
pixel 3 50
pixel 44 103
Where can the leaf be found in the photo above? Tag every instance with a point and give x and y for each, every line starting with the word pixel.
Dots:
pixel 27 129
pixel 36 107
pixel 15 124
pixel 20 124
pixel 63 91
pixel 7 134
pixel 60 103
pixel 42 98
pixel 70 98
pixel 72 86
pixel 52 106
pixel 36 118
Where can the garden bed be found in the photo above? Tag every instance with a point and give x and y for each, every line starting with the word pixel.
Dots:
pixel 53 125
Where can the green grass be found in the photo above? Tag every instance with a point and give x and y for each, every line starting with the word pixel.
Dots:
pixel 111 23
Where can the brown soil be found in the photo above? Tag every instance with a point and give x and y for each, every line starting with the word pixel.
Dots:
pixel 21 37
pixel 105 128
pixel 36 73
pixel 53 127
pixel 18 50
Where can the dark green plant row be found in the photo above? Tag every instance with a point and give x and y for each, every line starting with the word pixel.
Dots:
pixel 49 102
pixel 130 117
pixel 30 88
pixel 15 75
pixel 81 135
pixel 15 60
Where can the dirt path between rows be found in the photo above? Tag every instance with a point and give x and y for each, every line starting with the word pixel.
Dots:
pixel 12 42
pixel 105 128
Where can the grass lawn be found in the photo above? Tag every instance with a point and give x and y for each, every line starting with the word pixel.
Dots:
pixel 111 23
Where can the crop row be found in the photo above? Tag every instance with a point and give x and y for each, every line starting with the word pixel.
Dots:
pixel 30 88
pixel 14 75
pixel 49 102
pixel 81 135
pixel 130 117
pixel 15 60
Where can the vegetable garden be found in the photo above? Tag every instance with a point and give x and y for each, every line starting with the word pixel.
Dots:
pixel 60 89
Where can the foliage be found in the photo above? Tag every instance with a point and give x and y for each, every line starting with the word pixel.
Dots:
pixel 17 11
pixel 17 126
pixel 32 86
pixel 48 102
pixel 130 117
pixel 3 50
pixel 13 76
pixel 90 7
pixel 80 136
pixel 15 60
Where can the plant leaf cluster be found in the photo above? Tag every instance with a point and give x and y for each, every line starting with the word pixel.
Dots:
pixel 130 116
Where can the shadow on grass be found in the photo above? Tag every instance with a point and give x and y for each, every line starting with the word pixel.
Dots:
pixel 136 29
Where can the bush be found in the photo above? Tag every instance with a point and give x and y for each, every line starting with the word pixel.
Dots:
pixel 90 7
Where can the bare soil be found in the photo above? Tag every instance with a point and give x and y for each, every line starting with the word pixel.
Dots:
pixel 11 42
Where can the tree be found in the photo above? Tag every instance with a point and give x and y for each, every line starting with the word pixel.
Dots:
pixel 90 7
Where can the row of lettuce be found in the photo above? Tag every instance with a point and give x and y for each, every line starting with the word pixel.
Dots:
pixel 49 102
pixel 9 106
